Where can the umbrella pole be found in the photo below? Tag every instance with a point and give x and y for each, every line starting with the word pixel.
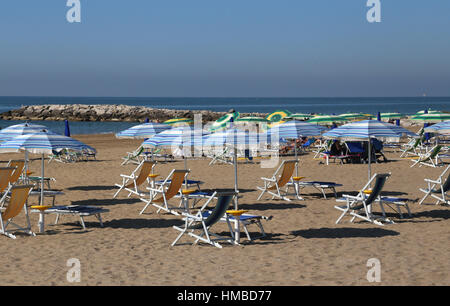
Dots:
pixel 41 215
pixel 296 164
pixel 26 167
pixel 237 231
pixel 185 168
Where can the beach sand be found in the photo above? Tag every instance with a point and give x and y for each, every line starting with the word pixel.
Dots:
pixel 304 246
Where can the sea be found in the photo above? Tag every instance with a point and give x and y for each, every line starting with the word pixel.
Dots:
pixel 339 105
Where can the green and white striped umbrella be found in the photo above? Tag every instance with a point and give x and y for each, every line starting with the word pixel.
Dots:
pixel 299 116
pixel 326 119
pixel 252 119
pixel 354 116
pixel 178 121
pixel 432 117
pixel 277 117
pixel 428 112
pixel 221 123
pixel 389 116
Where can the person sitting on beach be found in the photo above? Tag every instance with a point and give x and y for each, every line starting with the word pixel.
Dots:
pixel 337 149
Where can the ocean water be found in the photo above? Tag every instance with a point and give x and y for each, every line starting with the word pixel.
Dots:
pixel 407 105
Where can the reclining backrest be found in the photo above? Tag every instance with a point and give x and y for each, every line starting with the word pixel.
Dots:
pixel 380 180
pixel 19 195
pixel 5 176
pixel 19 165
pixel 223 202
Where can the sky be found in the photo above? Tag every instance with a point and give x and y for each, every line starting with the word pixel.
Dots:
pixel 225 48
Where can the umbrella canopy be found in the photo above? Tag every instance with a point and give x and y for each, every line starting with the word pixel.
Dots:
pixel 326 119
pixel 13 131
pixel 43 142
pixel 178 121
pixel 298 116
pixel 177 136
pixel 389 116
pixel 432 117
pixel 439 128
pixel 145 130
pixel 296 129
pixel 365 130
pixel 277 117
pixel 252 119
pixel 353 116
pixel 427 111
pixel 222 122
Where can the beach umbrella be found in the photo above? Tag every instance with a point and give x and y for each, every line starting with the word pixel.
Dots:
pixel 178 121
pixel 326 119
pixel 432 117
pixel 67 128
pixel 295 130
pixel 366 130
pixel 145 130
pixel 277 117
pixel 353 116
pixel 43 142
pixel 13 131
pixel 391 116
pixel 298 116
pixel 252 119
pixel 427 111
pixel 235 137
pixel 222 122
pixel 439 128
pixel 147 120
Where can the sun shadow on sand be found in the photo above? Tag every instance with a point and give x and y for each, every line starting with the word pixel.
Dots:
pixel 269 206
pixel 346 232
pixel 90 188
pixel 128 223
pixel 105 202
pixel 434 214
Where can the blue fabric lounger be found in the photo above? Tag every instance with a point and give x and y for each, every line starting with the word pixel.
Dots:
pixel 80 210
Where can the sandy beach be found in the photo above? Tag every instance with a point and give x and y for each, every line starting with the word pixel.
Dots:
pixel 304 246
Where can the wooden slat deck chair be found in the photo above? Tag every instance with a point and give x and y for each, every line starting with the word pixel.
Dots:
pixel 273 185
pixel 132 182
pixel 203 223
pixel 8 211
pixel 360 206
pixel 438 188
pixel 19 166
pixel 133 157
pixel 5 176
pixel 428 159
pixel 169 188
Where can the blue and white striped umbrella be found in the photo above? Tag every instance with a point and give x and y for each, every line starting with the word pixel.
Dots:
pixel 145 130
pixel 234 137
pixel 363 130
pixel 296 129
pixel 440 128
pixel 367 129
pixel 13 131
pixel 43 142
pixel 179 136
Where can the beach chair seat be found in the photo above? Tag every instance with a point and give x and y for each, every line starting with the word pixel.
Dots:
pixel 398 203
pixel 438 188
pixel 139 176
pixel 430 158
pixel 319 185
pixel 168 189
pixel 202 223
pixel 11 206
pixel 274 184
pixel 360 206
pixel 81 211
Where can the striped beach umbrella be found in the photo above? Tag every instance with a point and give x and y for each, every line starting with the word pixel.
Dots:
pixel 223 121
pixel 354 116
pixel 296 129
pixel 298 116
pixel 185 136
pixel 277 117
pixel 252 119
pixel 13 131
pixel 390 116
pixel 43 142
pixel 427 111
pixel 432 117
pixel 439 128
pixel 326 119
pixel 178 121
pixel 365 130
pixel 145 130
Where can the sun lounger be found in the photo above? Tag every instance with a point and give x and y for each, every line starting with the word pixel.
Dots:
pixel 438 188
pixel 273 185
pixel 134 157
pixel 8 211
pixel 319 185
pixel 19 166
pixel 77 210
pixel 430 158
pixel 132 182
pixel 360 206
pixel 5 176
pixel 203 223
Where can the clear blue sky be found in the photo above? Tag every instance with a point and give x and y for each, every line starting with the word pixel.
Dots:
pixel 225 48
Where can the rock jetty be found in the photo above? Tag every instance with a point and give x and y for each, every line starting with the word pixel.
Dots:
pixel 106 112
